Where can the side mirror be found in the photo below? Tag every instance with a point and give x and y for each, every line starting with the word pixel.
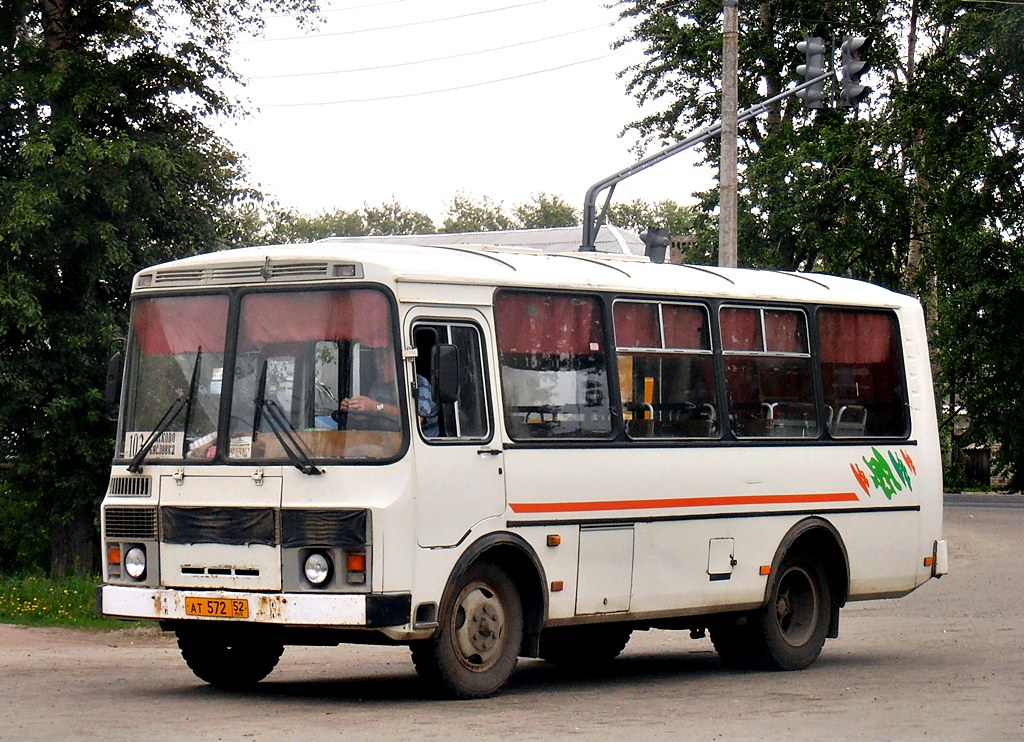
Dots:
pixel 446 373
pixel 115 370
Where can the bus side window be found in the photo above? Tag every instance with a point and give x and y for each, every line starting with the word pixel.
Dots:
pixel 666 370
pixel 861 374
pixel 768 373
pixel 463 414
pixel 554 367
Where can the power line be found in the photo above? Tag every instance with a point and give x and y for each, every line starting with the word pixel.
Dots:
pixel 430 59
pixel 442 90
pixel 350 32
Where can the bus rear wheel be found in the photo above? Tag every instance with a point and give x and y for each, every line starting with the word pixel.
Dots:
pixel 477 644
pixel 793 625
pixel 225 662
pixel 584 645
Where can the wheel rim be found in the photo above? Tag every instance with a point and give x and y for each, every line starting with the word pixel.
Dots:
pixel 478 627
pixel 797 606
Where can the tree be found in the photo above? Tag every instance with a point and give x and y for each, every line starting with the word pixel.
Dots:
pixel 897 192
pixel 107 164
pixel 467 215
pixel 286 225
pixel 393 218
pixel 545 211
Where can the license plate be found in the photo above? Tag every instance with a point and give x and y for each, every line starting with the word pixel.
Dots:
pixel 217 607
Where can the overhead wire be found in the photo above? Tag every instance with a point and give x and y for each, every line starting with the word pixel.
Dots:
pixel 453 88
pixel 429 59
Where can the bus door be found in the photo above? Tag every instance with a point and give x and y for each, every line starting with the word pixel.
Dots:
pixel 459 459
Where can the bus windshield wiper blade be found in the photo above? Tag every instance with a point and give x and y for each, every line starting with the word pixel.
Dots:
pixel 190 399
pixel 281 428
pixel 165 422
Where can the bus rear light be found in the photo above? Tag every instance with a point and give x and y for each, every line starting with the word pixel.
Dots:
pixel 355 563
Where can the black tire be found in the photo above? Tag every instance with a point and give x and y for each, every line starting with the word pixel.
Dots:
pixel 790 631
pixel 736 645
pixel 477 643
pixel 223 662
pixel 584 646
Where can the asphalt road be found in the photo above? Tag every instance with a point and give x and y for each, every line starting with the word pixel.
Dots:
pixel 945 662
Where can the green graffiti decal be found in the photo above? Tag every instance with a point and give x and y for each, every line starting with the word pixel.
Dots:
pixel 890 472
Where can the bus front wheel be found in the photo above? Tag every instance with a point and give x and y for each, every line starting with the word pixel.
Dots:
pixel 477 644
pixel 228 663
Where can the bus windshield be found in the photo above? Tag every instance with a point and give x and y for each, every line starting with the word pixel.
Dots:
pixel 175 373
pixel 300 357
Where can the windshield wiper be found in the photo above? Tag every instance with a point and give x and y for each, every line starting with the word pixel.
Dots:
pixel 183 402
pixel 280 427
pixel 190 400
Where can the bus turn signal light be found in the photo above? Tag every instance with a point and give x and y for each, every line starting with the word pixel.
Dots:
pixel 355 565
pixel 114 555
pixel 766 569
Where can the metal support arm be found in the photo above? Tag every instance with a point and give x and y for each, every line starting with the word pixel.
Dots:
pixel 592 222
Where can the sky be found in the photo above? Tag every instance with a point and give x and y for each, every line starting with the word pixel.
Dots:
pixel 420 100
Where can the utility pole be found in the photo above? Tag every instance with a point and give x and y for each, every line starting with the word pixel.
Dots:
pixel 727 231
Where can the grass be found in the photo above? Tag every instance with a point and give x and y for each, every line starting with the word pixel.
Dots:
pixel 69 602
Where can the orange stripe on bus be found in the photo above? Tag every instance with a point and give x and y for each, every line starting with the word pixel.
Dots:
pixel 687 502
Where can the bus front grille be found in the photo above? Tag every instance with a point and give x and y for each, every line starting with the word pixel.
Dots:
pixel 133 524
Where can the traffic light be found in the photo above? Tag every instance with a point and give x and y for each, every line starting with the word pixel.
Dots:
pixel 853 66
pixel 814 66
pixel 657 241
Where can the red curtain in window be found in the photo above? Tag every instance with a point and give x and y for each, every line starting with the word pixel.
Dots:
pixel 685 327
pixel 532 323
pixel 361 315
pixel 180 324
pixel 786 331
pixel 741 329
pixel 636 325
pixel 852 337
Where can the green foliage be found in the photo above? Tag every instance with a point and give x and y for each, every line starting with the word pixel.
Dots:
pixel 545 211
pixel 107 164
pixel 638 215
pixel 35 600
pixel 467 215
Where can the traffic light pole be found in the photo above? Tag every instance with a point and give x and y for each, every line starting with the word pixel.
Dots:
pixel 592 221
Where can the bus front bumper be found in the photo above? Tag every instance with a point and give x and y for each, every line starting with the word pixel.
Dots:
pixel 293 609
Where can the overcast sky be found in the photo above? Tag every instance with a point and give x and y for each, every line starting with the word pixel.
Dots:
pixel 418 100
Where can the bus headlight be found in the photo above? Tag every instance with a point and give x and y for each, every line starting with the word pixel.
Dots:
pixel 318 568
pixel 135 562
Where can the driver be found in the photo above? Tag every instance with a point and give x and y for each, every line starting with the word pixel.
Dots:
pixel 382 397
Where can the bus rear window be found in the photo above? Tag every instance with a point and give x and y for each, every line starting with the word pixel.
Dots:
pixel 861 374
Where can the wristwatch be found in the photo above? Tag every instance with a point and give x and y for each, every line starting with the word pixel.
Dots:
pixel 380 407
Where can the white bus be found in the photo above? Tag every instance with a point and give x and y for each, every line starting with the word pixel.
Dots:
pixel 489 453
